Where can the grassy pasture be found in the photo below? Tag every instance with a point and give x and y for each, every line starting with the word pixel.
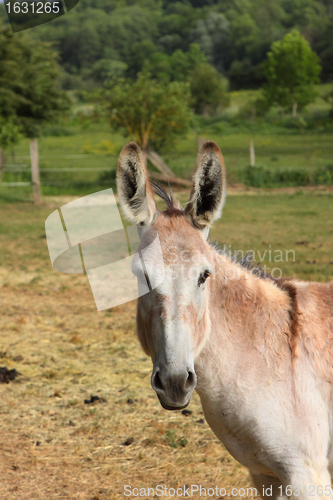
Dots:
pixel 53 445
pixel 98 148
pixel 279 145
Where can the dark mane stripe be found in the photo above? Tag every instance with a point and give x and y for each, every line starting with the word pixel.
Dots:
pixel 294 313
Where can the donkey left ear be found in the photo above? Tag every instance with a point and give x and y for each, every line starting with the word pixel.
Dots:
pixel 209 187
pixel 134 191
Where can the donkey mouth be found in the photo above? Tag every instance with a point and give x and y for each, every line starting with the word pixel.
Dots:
pixel 172 407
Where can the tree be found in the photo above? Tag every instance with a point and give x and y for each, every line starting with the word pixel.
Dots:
pixel 177 66
pixel 208 89
pixel 29 92
pixel 9 135
pixel 323 45
pixel 115 36
pixel 329 99
pixel 150 112
pixel 292 69
pixel 212 34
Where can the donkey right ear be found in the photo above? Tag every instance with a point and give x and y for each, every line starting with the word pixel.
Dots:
pixel 134 191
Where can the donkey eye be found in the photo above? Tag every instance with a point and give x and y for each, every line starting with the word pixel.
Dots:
pixel 202 278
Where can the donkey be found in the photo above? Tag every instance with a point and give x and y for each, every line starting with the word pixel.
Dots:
pixel 257 350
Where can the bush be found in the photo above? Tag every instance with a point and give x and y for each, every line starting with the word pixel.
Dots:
pixel 245 75
pixel 263 177
pixel 108 177
pixel 329 98
pixel 57 131
pixel 254 108
pixel 208 90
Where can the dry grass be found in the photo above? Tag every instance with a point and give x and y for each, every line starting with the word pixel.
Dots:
pixel 52 444
pixel 55 446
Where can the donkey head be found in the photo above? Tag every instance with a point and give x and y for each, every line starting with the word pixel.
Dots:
pixel 173 321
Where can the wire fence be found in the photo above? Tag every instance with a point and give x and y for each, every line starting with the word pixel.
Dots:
pixel 85 173
pixel 18 174
pixel 78 171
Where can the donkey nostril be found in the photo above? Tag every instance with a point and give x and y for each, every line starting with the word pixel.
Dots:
pixel 190 382
pixel 157 383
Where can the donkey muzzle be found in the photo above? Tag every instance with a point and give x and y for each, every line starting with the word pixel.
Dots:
pixel 173 388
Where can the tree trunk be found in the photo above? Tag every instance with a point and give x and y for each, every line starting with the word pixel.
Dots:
pixel 35 170
pixel 166 178
pixel 294 111
pixel 157 161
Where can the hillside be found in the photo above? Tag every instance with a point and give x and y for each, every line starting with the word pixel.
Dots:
pixel 104 38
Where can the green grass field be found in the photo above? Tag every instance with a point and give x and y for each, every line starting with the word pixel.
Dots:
pixel 288 153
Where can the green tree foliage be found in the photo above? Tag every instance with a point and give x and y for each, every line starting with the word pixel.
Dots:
pixel 208 87
pixel 208 90
pixel 329 98
pixel 29 93
pixel 177 66
pixel 9 133
pixel 175 24
pixel 212 35
pixel 93 42
pixel 323 45
pixel 292 69
pixel 120 37
pixel 151 113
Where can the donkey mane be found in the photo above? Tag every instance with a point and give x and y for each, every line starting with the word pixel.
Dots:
pixel 173 206
pixel 246 261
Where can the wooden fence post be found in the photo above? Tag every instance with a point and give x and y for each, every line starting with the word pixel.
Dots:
pixel 201 141
pixel 252 154
pixel 35 170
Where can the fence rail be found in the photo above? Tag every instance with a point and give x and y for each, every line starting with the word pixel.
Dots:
pixel 15 184
pixel 28 170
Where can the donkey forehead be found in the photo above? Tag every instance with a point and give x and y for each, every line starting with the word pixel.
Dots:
pixel 178 238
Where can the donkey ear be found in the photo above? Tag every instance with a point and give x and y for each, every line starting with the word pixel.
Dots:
pixel 209 187
pixel 134 191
